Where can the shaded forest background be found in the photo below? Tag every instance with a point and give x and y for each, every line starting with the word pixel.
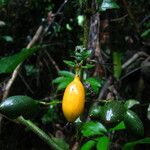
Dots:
pixel 118 33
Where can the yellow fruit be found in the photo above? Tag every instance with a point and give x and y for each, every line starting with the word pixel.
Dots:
pixel 73 100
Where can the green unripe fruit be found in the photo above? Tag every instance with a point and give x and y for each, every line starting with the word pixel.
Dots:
pixel 16 106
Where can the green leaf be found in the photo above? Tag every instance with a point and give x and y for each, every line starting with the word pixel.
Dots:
pixel 147 24
pixel 57 28
pixel 95 83
pixel 7 38
pixel 120 126
pixel 88 66
pixel 117 64
pixel 131 145
pixel 133 123
pixel 50 116
pixel 78 54
pixel 95 111
pixel 70 63
pixel 64 84
pixel 61 143
pixel 66 73
pixel 58 80
pixel 103 143
pixel 8 64
pixel 68 27
pixel 89 145
pixel 31 70
pixel 86 53
pixel 108 4
pixel 81 53
pixel 148 112
pixel 19 105
pixel 93 128
pixel 146 33
pixel 112 113
pixel 3 3
pixel 130 103
pixel 2 23
pixel 80 20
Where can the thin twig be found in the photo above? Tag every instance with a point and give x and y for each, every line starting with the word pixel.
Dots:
pixel 52 61
pixel 10 82
pixel 75 146
pixel 129 73
pixel 105 88
pixel 119 19
pixel 53 16
pixel 133 58
pixel 26 84
pixel 134 70
pixel 35 38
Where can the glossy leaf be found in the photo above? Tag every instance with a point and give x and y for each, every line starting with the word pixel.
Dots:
pixel 80 20
pixel 88 66
pixel 89 145
pixel 146 33
pixel 133 123
pixel 59 80
pixel 70 63
pixel 108 4
pixel 64 84
pixel 95 83
pixel 7 38
pixel 130 103
pixel 8 64
pixel 81 53
pixel 148 112
pixel 93 128
pixel 66 73
pixel 95 111
pixel 68 27
pixel 86 54
pixel 120 126
pixel 78 54
pixel 112 113
pixel 131 145
pixel 16 106
pixel 2 23
pixel 103 143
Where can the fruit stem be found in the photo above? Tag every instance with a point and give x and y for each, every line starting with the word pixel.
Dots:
pixel 40 133
pixel 50 103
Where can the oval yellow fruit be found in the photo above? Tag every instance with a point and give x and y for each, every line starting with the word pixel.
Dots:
pixel 73 100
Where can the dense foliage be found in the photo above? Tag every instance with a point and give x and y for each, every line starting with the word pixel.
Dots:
pixel 98 50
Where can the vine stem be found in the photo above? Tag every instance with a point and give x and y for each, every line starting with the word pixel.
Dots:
pixel 39 132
